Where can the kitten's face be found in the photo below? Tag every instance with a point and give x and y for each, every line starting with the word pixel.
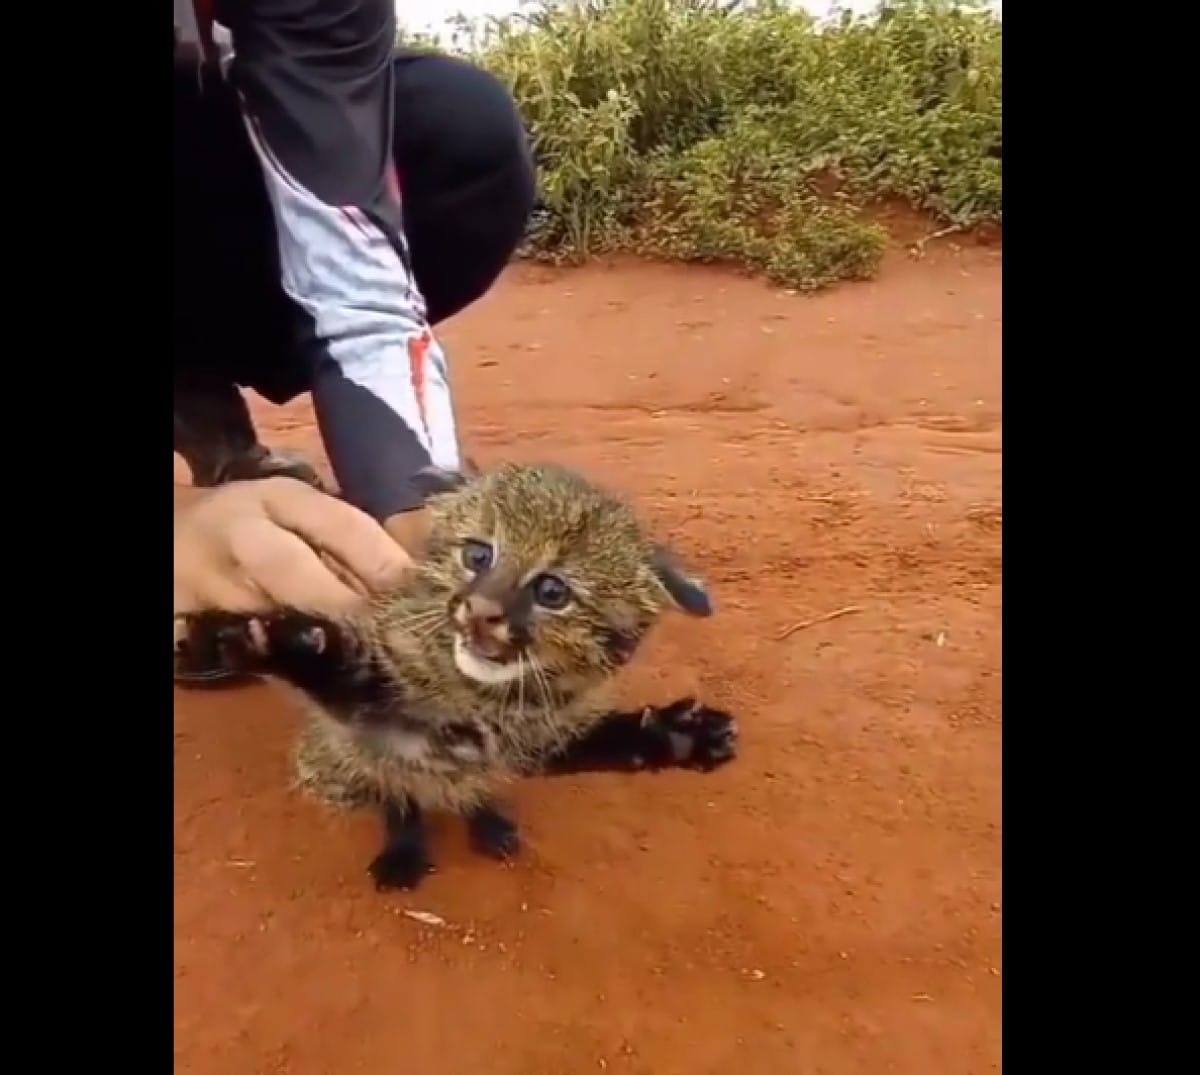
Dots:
pixel 548 576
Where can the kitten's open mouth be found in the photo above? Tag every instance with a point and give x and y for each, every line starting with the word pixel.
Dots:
pixel 495 667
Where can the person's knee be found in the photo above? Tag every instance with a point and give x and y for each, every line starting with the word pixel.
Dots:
pixel 458 120
pixel 466 177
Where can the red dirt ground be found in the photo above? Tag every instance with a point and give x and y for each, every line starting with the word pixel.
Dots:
pixel 830 902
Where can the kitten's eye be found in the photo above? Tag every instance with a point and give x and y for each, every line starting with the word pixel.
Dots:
pixel 477 556
pixel 551 592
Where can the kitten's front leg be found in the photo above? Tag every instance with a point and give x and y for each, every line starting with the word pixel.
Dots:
pixel 404 860
pixel 683 735
pixel 323 658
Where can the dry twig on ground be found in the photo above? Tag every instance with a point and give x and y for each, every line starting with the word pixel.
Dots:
pixel 789 631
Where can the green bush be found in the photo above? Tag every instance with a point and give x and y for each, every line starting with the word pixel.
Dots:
pixel 751 133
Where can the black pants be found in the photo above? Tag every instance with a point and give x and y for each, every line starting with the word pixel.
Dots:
pixel 467 184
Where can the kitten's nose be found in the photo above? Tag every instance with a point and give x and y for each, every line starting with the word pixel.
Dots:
pixel 484 610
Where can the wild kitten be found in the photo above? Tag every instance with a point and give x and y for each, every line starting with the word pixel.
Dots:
pixel 491 663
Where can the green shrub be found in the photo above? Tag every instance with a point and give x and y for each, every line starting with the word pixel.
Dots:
pixel 751 133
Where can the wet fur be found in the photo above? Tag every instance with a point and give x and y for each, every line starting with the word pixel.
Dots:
pixel 395 723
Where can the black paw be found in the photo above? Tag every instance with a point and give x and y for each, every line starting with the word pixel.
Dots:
pixel 215 644
pixel 401 867
pixel 695 736
pixel 294 634
pixel 493 834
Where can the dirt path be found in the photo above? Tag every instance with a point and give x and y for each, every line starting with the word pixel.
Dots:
pixel 827 904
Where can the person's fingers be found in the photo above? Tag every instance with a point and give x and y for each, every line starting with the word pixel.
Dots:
pixel 287 570
pixel 345 575
pixel 350 536
pixel 215 587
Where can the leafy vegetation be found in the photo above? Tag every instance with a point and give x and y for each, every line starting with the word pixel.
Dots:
pixel 751 133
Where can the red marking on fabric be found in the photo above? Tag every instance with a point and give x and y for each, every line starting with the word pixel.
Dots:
pixel 418 362
pixel 205 18
pixel 391 178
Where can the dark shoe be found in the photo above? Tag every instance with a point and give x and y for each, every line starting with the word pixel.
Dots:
pixel 263 462
pixel 217 439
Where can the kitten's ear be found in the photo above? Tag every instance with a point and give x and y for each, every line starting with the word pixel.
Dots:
pixel 687 593
pixel 435 481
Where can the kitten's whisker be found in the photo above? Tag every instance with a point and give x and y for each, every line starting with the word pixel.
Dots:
pixel 428 631
pixel 420 618
pixel 417 614
pixel 520 685
pixel 421 630
pixel 424 624
pixel 544 689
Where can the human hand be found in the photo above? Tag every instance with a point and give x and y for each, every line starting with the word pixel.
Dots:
pixel 255 545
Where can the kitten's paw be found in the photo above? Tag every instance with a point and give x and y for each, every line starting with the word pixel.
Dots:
pixel 402 867
pixel 493 834
pixel 293 634
pixel 215 645
pixel 697 737
pixel 209 644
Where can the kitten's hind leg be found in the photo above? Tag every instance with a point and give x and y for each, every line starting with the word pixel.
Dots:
pixel 682 735
pixel 493 832
pixel 404 860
